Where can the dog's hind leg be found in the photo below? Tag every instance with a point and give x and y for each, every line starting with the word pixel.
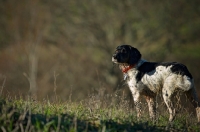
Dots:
pixel 198 114
pixel 192 96
pixel 167 96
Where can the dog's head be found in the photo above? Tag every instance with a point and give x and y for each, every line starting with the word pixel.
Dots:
pixel 126 54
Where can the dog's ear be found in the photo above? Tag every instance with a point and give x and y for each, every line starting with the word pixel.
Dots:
pixel 134 56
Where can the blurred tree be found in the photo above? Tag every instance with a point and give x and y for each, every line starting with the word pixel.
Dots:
pixel 76 39
pixel 4 34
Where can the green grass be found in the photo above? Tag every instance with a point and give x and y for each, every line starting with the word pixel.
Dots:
pixel 93 114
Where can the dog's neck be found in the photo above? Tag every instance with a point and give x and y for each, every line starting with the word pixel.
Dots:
pixel 140 62
pixel 125 67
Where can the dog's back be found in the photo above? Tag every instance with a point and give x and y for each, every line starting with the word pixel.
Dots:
pixel 155 76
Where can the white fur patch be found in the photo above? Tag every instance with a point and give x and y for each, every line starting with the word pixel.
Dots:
pixel 157 79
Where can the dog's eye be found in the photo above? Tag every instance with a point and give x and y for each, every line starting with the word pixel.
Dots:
pixel 123 51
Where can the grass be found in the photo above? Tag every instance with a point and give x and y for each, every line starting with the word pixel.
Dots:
pixel 108 114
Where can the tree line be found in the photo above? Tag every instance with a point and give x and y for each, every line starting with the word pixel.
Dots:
pixel 66 46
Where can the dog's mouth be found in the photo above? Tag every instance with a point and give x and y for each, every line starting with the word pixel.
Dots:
pixel 118 59
pixel 114 60
pixel 117 62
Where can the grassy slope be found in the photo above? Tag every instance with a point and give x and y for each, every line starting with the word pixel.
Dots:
pixel 87 115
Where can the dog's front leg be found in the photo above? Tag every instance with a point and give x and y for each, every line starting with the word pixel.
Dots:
pixel 152 107
pixel 136 99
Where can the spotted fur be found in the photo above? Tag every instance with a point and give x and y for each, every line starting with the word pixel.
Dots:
pixel 150 78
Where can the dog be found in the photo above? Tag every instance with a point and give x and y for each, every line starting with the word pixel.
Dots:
pixel 149 78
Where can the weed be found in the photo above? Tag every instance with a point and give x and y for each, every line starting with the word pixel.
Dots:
pixel 92 114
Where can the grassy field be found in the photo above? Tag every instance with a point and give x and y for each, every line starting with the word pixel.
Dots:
pixel 108 114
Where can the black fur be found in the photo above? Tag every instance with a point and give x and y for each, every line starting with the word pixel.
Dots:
pixel 134 56
pixel 145 68
pixel 127 54
pixel 176 68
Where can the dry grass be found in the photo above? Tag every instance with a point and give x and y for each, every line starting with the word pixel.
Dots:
pixel 96 113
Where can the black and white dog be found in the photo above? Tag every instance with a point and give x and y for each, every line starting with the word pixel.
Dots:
pixel 148 78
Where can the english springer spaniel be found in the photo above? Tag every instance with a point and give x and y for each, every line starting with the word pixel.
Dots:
pixel 148 78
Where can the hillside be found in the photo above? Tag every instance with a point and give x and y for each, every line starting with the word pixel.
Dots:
pixel 88 115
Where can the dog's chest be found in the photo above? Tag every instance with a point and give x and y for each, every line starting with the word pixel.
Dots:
pixel 150 81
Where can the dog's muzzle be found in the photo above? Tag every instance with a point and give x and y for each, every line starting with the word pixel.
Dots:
pixel 114 58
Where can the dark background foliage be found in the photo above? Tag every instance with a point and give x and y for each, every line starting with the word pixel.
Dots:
pixel 65 46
